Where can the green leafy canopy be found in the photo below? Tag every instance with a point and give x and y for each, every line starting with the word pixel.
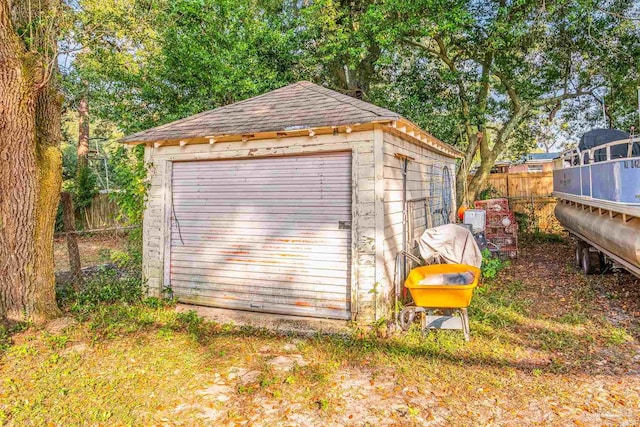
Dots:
pixel 486 75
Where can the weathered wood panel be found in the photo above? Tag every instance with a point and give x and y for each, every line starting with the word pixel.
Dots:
pixel 294 203
pixel 498 183
pixel 421 172
pixel 530 184
pixel 370 271
pixel 157 238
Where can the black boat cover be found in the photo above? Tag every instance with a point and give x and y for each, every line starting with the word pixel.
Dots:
pixel 597 137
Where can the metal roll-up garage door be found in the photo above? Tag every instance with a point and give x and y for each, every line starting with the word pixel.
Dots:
pixel 266 234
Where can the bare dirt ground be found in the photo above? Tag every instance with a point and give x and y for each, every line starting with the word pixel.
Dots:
pixel 548 347
pixel 559 291
pixel 94 249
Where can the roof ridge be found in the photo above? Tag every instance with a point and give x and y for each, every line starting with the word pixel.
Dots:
pixel 298 105
pixel 347 99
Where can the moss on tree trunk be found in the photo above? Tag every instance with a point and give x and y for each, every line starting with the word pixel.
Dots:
pixel 30 175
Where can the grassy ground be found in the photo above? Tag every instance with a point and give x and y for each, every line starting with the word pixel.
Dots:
pixel 548 347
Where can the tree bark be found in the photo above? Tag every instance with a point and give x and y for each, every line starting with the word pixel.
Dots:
pixel 18 183
pixel 30 174
pixel 477 182
pixel 489 155
pixel 49 158
pixel 83 131
pixel 487 160
pixel 462 194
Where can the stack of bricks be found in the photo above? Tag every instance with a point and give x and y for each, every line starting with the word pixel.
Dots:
pixel 501 228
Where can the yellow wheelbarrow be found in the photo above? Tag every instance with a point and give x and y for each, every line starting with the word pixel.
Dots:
pixel 430 293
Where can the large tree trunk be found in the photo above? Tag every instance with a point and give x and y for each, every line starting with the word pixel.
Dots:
pixel 463 195
pixel 18 182
pixel 29 176
pixel 488 157
pixel 462 175
pixel 479 179
pixel 49 157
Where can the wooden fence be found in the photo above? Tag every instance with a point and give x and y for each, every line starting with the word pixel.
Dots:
pixel 529 194
pixel 526 184
pixel 102 213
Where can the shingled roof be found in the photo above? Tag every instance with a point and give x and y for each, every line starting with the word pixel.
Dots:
pixel 297 106
pixel 301 105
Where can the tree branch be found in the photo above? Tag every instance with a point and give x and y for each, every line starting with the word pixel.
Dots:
pixel 483 94
pixel 511 90
pixel 567 95
pixel 462 91
pixel 420 45
pixel 442 54
pixel 488 156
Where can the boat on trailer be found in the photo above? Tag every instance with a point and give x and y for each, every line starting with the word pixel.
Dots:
pixel 597 186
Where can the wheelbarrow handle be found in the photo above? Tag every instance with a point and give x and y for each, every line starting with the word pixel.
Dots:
pixel 412 257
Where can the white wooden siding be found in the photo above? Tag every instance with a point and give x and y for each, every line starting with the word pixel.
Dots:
pixel 419 173
pixel 264 234
pixel 371 271
pixel 156 220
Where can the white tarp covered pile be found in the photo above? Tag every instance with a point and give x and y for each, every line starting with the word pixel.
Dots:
pixel 450 244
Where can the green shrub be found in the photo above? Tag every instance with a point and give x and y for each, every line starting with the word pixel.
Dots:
pixel 491 265
pixel 189 320
pixel 130 177
pixel 121 259
pixel 5 339
pixel 86 188
pixel 194 324
pixel 489 192
pixel 525 222
pixel 7 331
pixel 112 320
pixel 109 285
pixel 155 302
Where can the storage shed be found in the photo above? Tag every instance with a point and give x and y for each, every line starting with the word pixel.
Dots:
pixel 290 202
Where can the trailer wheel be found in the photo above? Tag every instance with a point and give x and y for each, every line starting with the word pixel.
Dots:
pixel 590 261
pixel 580 247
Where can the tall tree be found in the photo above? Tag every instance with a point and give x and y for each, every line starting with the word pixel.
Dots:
pixel 85 183
pixel 335 46
pixel 83 131
pixel 496 64
pixel 151 62
pixel 475 73
pixel 30 176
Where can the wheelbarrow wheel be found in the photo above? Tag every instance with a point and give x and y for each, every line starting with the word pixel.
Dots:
pixel 407 316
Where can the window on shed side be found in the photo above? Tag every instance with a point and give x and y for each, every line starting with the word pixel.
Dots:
pixel 441 194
